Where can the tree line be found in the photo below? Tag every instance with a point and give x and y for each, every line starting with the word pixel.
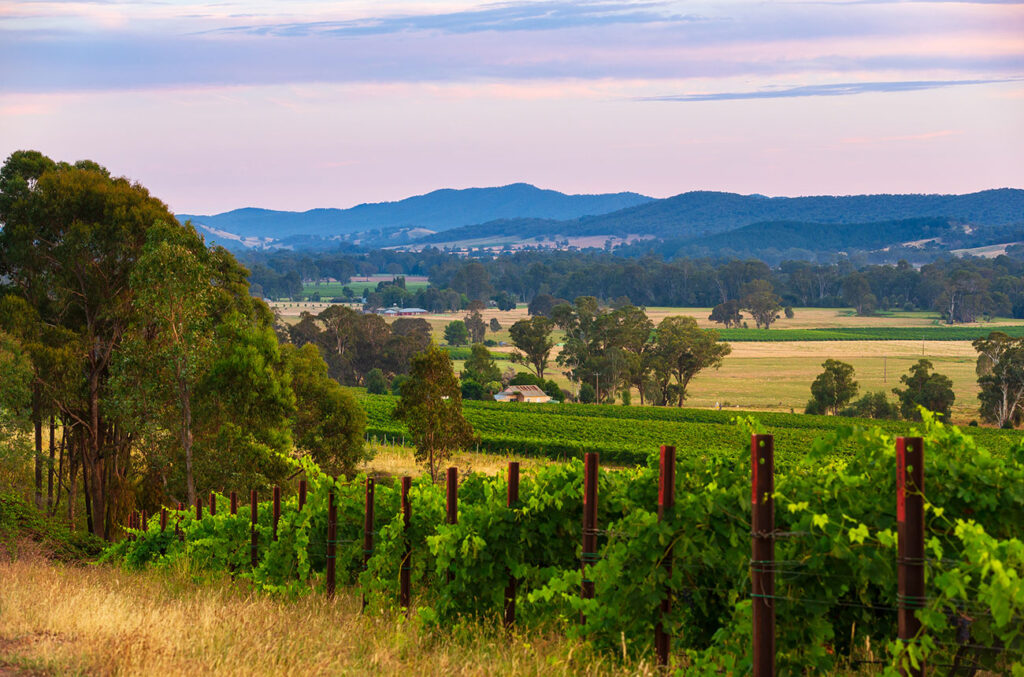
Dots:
pixel 142 353
pixel 960 289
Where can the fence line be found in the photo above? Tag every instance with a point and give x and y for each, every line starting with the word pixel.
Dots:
pixel 911 559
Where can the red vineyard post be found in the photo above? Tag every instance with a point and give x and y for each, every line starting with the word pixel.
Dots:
pixel 163 519
pixel 666 500
pixel 253 516
pixel 234 502
pixel 452 504
pixel 368 529
pixel 405 571
pixel 213 503
pixel 332 535
pixel 302 493
pixel 589 554
pixel 513 500
pixel 910 529
pixel 762 563
pixel 199 508
pixel 277 508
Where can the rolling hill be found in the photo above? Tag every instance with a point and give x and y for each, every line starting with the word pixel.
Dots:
pixel 438 210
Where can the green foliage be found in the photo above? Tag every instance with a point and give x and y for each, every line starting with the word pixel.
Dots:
pixel 533 342
pixel 22 521
pixel 682 350
pixel 456 333
pixel 480 366
pixel 431 406
pixel 476 327
pixel 727 313
pixel 834 387
pixel 1000 371
pixel 927 389
pixel 873 405
pixel 761 301
pixel 375 382
pixel 836 587
pixel 328 423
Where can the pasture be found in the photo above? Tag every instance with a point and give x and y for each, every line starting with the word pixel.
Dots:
pixel 775 375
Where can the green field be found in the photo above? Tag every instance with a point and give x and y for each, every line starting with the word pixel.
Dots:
pixel 945 333
pixel 333 289
pixel 628 435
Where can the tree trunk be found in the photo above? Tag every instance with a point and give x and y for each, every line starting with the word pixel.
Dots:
pixel 60 467
pixel 186 442
pixel 89 522
pixel 49 473
pixel 38 423
pixel 93 464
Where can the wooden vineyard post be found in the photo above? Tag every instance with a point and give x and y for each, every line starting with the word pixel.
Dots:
pixel 452 504
pixel 213 503
pixel 910 529
pixel 405 572
pixel 145 521
pixel 253 515
pixel 666 499
pixel 199 508
pixel 589 555
pixel 302 493
pixel 277 508
pixel 234 502
pixel 332 536
pixel 163 519
pixel 368 529
pixel 762 563
pixel 513 500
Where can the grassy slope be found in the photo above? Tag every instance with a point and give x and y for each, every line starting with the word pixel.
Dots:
pixel 57 619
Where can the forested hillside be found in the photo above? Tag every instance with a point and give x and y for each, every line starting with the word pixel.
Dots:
pixel 438 210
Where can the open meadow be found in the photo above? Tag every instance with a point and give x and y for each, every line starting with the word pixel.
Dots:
pixel 775 375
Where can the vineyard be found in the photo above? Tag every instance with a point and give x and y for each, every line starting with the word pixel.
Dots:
pixel 834 567
pixel 943 333
pixel 626 435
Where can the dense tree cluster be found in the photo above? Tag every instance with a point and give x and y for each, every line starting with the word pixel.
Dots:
pixel 355 343
pixel 608 350
pixel 144 348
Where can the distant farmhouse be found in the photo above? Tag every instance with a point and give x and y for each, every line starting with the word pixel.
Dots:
pixel 395 311
pixel 522 394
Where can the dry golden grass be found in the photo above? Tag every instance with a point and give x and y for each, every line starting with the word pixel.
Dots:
pixel 396 461
pixel 778 376
pixel 102 620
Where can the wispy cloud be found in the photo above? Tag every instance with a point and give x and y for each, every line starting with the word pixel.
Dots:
pixel 512 16
pixel 836 89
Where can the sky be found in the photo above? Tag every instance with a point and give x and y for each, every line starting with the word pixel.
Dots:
pixel 299 104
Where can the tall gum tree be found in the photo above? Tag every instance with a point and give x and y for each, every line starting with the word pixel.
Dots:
pixel 71 235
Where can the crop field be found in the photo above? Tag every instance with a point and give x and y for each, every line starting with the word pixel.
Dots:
pixel 629 435
pixel 361 284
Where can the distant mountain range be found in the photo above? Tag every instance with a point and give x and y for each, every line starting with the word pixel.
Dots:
pixel 699 221
pixel 435 211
